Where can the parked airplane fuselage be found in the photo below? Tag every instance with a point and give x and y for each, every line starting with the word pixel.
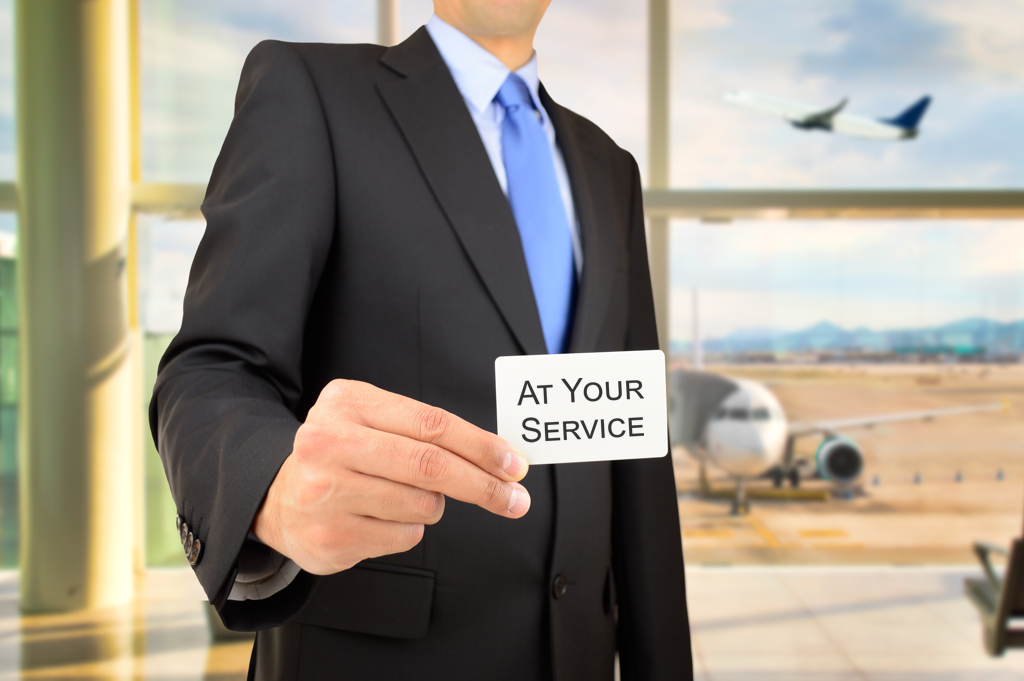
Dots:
pixel 747 434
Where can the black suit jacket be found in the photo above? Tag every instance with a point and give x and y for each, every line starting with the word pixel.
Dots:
pixel 355 229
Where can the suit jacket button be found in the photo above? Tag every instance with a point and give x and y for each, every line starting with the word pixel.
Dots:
pixel 188 544
pixel 184 533
pixel 559 586
pixel 177 522
pixel 194 551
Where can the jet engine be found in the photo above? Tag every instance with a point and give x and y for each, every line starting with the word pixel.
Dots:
pixel 839 459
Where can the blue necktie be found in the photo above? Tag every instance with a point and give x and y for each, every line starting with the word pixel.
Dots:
pixel 540 214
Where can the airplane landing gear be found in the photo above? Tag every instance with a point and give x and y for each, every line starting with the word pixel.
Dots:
pixel 740 503
pixel 794 477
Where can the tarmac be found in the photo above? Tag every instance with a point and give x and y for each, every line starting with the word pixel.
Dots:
pixel 931 523
pixel 929 489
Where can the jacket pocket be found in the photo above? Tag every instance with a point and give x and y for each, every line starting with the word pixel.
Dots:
pixel 373 598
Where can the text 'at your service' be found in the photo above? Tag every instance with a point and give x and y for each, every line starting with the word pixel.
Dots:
pixel 554 431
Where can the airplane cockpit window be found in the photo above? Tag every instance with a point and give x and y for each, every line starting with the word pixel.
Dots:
pixel 760 414
pixel 739 414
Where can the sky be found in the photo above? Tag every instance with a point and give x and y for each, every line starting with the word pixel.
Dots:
pixel 879 274
pixel 6 93
pixel 881 54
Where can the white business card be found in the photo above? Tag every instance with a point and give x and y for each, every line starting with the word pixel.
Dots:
pixel 597 406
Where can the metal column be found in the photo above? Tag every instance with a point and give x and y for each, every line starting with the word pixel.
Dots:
pixel 658 37
pixel 77 409
pixel 387 22
pixel 135 357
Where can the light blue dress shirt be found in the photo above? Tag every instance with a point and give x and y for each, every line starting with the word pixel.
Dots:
pixel 479 75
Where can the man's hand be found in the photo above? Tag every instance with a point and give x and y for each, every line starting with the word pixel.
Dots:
pixel 370 468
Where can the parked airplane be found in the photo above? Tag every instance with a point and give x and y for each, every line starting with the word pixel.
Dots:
pixel 808 117
pixel 739 426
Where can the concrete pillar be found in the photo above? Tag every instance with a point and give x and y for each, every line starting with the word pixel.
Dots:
pixel 77 413
pixel 387 22
pixel 659 56
pixel 136 346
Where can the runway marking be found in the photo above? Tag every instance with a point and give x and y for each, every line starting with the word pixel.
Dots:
pixel 763 531
pixel 821 534
pixel 709 533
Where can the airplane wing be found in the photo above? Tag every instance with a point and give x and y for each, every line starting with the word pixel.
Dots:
pixel 832 427
pixel 795 112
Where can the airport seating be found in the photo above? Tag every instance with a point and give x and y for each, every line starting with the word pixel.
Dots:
pixel 999 599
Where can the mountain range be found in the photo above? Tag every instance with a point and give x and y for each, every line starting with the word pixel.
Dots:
pixel 974 336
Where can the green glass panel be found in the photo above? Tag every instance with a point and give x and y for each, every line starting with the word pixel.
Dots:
pixel 163 546
pixel 8 296
pixel 8 486
pixel 9 534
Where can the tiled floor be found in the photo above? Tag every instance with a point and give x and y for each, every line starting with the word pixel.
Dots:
pixel 864 623
pixel 749 623
pixel 162 636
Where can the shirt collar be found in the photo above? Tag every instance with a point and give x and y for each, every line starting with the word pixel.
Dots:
pixel 478 73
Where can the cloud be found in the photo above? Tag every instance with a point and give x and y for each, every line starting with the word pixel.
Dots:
pixel 723 311
pixel 882 36
pixel 699 15
pixel 880 274
pixel 592 59
pixel 7 170
pixel 412 14
pixel 991 36
pixel 166 253
pixel 980 41
pixel 302 20
pixel 192 54
pixel 881 54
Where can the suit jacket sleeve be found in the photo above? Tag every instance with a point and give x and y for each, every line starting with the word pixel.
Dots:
pixel 223 412
pixel 653 629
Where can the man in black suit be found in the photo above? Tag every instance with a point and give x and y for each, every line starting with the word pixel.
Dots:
pixel 364 263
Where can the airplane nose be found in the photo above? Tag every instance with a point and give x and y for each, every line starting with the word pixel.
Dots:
pixel 770 443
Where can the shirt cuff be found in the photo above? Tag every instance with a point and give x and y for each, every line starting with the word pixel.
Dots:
pixel 262 572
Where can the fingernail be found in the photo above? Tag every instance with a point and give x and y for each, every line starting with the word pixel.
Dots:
pixel 515 465
pixel 519 502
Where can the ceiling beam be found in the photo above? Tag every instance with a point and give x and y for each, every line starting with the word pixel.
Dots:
pixel 710 205
pixel 724 205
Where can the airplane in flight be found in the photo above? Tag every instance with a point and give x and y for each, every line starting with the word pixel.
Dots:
pixel 809 117
pixel 739 426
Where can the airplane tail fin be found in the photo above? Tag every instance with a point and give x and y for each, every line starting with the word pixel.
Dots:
pixel 909 119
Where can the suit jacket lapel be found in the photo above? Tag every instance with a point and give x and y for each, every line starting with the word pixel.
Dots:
pixel 432 115
pixel 597 232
